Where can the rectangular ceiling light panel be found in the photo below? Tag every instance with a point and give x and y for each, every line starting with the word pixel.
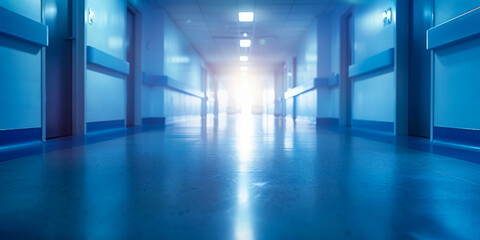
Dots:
pixel 246 16
pixel 245 43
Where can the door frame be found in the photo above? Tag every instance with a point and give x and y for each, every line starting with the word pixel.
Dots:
pixel 43 117
pixel 137 96
pixel 346 84
pixel 79 67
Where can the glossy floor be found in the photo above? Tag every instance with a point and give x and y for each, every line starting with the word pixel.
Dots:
pixel 240 177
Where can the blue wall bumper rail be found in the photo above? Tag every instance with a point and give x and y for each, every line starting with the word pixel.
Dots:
pixel 463 27
pixel 165 81
pixel 379 126
pixel 20 136
pixel 324 82
pixel 105 60
pixel 374 63
pixel 465 137
pixel 19 27
pixel 105 125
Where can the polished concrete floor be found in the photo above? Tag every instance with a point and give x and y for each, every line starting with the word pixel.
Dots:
pixel 240 177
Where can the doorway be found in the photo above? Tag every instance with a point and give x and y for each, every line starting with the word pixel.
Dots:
pixel 346 59
pixel 419 69
pixel 294 85
pixel 58 69
pixel 131 59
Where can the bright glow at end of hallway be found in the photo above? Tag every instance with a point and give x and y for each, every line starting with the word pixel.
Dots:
pixel 245 43
pixel 243 58
pixel 243 69
pixel 246 16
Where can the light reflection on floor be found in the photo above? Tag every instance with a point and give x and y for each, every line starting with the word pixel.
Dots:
pixel 243 219
pixel 237 177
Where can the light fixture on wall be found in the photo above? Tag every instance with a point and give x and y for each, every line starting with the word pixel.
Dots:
pixel 245 43
pixel 91 16
pixel 387 17
pixel 243 58
pixel 245 16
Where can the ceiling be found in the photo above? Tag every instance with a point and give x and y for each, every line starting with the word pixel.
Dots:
pixel 213 28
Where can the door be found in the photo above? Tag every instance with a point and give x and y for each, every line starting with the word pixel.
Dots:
pixel 131 76
pixel 58 17
pixel 346 59
pixel 419 69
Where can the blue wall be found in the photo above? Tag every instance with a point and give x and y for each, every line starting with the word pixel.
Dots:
pixel 306 54
pixel 21 70
pixel 168 52
pixel 106 93
pixel 456 84
pixel 314 54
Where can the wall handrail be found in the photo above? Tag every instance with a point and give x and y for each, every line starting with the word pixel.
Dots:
pixel 455 30
pixel 374 63
pixel 103 59
pixel 167 82
pixel 321 82
pixel 23 28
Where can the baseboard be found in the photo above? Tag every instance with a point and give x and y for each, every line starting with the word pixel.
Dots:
pixel 153 121
pixel 459 136
pixel 20 136
pixel 177 119
pixel 380 126
pixel 105 125
pixel 327 121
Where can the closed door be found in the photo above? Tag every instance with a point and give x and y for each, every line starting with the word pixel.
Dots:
pixel 58 68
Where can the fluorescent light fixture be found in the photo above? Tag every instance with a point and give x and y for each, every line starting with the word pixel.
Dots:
pixel 245 16
pixel 245 43
pixel 243 69
pixel 243 58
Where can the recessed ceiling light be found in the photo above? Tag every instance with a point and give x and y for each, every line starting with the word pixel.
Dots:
pixel 243 58
pixel 245 43
pixel 243 69
pixel 245 34
pixel 245 16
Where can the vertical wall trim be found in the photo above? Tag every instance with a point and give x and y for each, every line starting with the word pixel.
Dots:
pixel 138 67
pixel 432 77
pixel 345 113
pixel 401 66
pixel 78 67
pixel 204 91
pixel 43 82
